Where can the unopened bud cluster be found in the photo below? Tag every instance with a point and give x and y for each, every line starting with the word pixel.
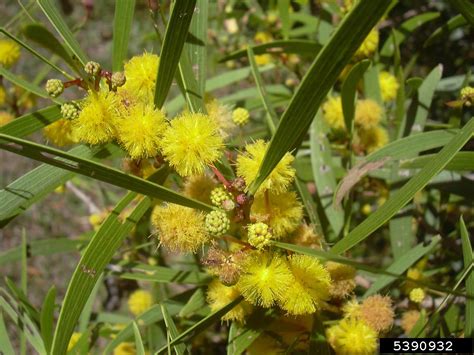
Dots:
pixel 217 223
pixel 259 235
pixel 467 95
pixel 70 111
pixel 118 79
pixel 219 195
pixel 240 116
pixel 92 68
pixel 54 87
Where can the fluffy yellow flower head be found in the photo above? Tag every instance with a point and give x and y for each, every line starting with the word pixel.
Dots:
pixel 388 86
pixel 342 277
pixel 73 341
pixel 373 139
pixel 192 142
pixel 9 52
pixel 139 301
pixel 199 187
pixel 178 236
pixel 221 115
pixel 311 286
pixel 377 312
pixel 249 162
pixel 368 114
pixel 369 46
pixel 409 319
pixel 351 309
pixel 3 95
pixel 416 274
pixel 306 236
pixel 282 212
pixel 125 349
pixel 332 111
pixel 352 337
pixel 265 279
pixel 141 130
pixel 5 117
pixel 417 295
pixel 219 295
pixel 98 118
pixel 60 133
pixel 140 76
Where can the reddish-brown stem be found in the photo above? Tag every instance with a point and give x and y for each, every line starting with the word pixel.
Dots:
pixel 78 82
pixel 220 177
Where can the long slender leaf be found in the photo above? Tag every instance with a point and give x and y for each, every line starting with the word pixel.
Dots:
pixel 123 19
pixel 452 24
pixel 466 8
pixel 468 257
pixel 95 170
pixel 197 49
pixel 406 193
pixel 316 83
pixel 462 161
pixel 138 340
pixel 57 20
pixel 6 346
pixel 175 36
pixel 27 85
pixel 180 349
pixel 163 274
pixel 401 265
pixel 98 253
pixel 31 122
pixel 47 318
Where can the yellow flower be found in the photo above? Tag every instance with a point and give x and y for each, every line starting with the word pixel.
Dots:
pixel 219 295
pixel 176 235
pixel 9 52
pixel 191 143
pixel 352 337
pixel 282 212
pixel 263 37
pixel 265 279
pixel 199 187
pixel 377 312
pixel 409 319
pixel 125 349
pixel 139 301
pixel 417 275
pixel 373 139
pixel 240 116
pixel 98 118
pixel 332 111
pixel 368 114
pixel 258 235
pixel 3 95
pixel 141 130
pixel 417 295
pixel 369 46
pixel 5 117
pixel 249 162
pixel 140 77
pixel 388 86
pixel 311 286
pixel 60 133
pixel 342 277
pixel 351 309
pixel 73 341
pixel 305 236
pixel 220 114
pixel 263 59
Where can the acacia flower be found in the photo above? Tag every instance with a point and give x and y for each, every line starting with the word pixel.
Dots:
pixel 368 114
pixel 352 336
pixel 377 312
pixel 199 187
pixel 60 133
pixel 178 236
pixel 9 52
pixel 369 46
pixel 192 142
pixel 140 76
pixel 249 162
pixel 388 86
pixel 265 279
pixel 5 117
pixel 342 277
pixel 219 295
pixel 332 113
pixel 139 301
pixel 125 348
pixel 141 130
pixel 373 139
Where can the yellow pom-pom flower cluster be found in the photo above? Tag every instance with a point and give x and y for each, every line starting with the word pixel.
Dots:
pixel 388 86
pixel 249 162
pixel 240 116
pixel 60 133
pixel 191 142
pixel 5 117
pixel 9 52
pixel 369 46
pixel 140 74
pixel 368 114
pixel 139 302
pixel 220 295
pixel 417 295
pixel 332 111
pixel 352 336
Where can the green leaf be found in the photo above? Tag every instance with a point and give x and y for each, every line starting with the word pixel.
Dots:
pixel 27 85
pixel 302 47
pixel 41 35
pixel 197 48
pixel 271 114
pixel 195 303
pixel 163 274
pixel 123 19
pixel 462 161
pixel 349 90
pixel 400 265
pixel 189 86
pixel 406 193
pixel 86 313
pixel 98 253
pixel 35 53
pixel 316 83
pixel 31 122
pixel 466 8
pixel 172 331
pixel 47 318
pixel 175 36
pixel 284 10
pixel 140 349
pixel 57 20
pixel 6 346
pixel 241 337
pixel 96 171
pixel 203 324
pixel 452 24
pixel 468 257
pixel 38 183
pixel 372 86
pixel 405 30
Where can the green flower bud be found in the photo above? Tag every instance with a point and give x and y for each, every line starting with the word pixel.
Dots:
pixel 70 111
pixel 92 68
pixel 217 223
pixel 467 95
pixel 118 79
pixel 219 195
pixel 54 87
pixel 259 235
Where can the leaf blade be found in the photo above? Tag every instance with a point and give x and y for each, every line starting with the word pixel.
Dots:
pixel 123 19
